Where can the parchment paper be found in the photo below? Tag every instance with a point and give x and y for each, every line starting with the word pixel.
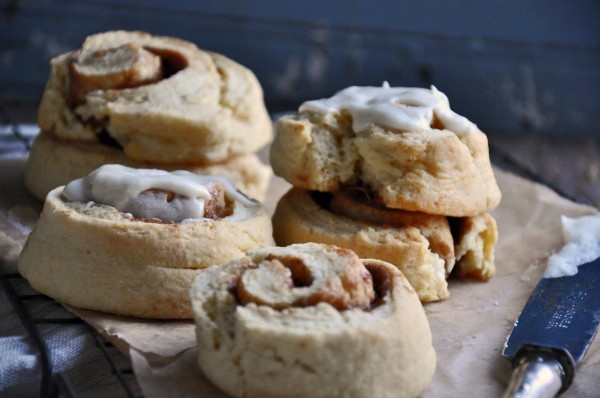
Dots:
pixel 469 329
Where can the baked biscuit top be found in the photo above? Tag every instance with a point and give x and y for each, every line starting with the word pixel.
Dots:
pixel 404 146
pixel 160 99
pixel 397 108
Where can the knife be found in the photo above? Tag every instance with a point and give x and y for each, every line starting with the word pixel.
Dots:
pixel 553 332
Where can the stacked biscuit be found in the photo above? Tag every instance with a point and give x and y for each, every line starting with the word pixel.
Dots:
pixel 149 102
pixel 393 174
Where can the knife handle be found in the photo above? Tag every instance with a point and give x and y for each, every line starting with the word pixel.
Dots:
pixel 539 374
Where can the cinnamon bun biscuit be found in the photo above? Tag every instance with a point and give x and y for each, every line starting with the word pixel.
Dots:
pixel 54 162
pixel 420 245
pixel 130 241
pixel 311 320
pixel 404 144
pixel 426 248
pixel 159 98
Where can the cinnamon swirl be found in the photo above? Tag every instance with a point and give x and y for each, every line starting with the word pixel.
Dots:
pixel 311 320
pixel 150 102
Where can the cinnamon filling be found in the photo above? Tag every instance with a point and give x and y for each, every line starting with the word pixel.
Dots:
pixel 126 66
pixel 285 281
pixel 171 61
pixel 300 274
pixel 436 123
pixel 357 204
pixel 122 67
pixel 217 206
pixel 382 283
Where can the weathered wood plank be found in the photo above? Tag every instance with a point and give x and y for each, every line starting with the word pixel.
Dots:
pixel 509 66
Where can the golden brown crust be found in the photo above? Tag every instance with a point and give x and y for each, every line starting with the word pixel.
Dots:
pixel 356 204
pixel 300 218
pixel 434 172
pixel 426 248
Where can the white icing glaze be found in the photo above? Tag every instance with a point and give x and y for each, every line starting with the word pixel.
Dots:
pixel 401 108
pixel 582 245
pixel 126 189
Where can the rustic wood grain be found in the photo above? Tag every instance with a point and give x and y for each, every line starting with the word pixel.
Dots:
pixel 510 66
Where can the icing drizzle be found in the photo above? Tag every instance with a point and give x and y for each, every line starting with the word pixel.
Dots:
pixel 143 192
pixel 401 108
pixel 582 245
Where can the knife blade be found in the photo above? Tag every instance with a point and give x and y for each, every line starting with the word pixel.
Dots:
pixel 553 332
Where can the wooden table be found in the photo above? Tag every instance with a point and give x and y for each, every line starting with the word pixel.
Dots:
pixel 569 165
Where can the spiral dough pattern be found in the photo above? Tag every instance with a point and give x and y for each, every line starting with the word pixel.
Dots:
pixel 311 320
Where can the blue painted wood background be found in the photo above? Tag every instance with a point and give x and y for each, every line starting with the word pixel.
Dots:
pixel 529 65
